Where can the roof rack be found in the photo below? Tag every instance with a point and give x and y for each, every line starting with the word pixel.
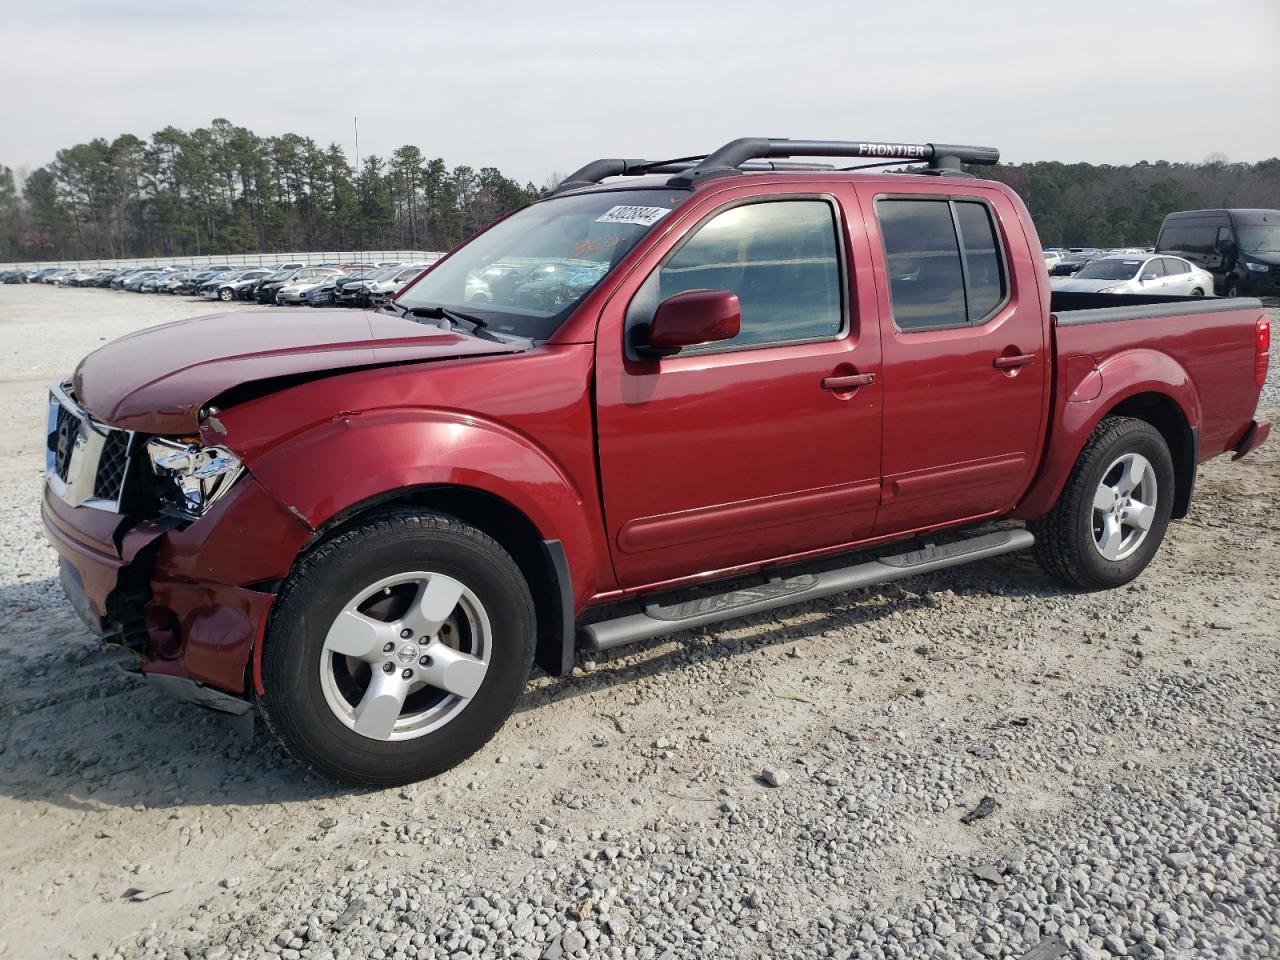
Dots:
pixel 764 153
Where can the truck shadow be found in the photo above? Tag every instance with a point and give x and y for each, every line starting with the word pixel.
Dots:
pixel 81 734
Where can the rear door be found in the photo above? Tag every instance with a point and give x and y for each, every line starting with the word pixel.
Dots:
pixel 737 453
pixel 1152 277
pixel 965 359
pixel 1178 278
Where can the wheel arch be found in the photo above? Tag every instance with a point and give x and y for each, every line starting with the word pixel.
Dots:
pixel 1163 412
pixel 1156 390
pixel 538 555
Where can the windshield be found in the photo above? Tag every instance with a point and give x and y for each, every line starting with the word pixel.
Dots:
pixel 525 275
pixel 1259 238
pixel 1109 270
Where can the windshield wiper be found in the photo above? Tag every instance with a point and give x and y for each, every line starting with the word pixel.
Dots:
pixel 446 313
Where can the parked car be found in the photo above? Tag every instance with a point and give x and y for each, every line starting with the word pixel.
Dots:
pixel 58 277
pixel 78 276
pixel 191 280
pixel 270 286
pixel 135 281
pixel 159 281
pixel 1051 259
pixel 1071 261
pixel 264 291
pixel 372 525
pixel 291 293
pixel 1241 248
pixel 1161 276
pixel 355 277
pixel 169 281
pixel 228 288
pixel 13 276
pixel 381 286
pixel 324 294
pixel 124 276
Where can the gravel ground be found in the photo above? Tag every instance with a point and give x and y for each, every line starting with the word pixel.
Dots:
pixel 799 785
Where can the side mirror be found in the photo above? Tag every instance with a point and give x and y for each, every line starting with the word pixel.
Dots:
pixel 691 318
pixel 1147 276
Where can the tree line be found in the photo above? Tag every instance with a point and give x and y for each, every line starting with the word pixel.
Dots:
pixel 224 189
pixel 1084 205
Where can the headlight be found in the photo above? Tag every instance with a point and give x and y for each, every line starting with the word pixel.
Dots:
pixel 191 477
pixel 1259 267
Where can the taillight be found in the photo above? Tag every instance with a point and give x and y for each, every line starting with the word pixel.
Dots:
pixel 1262 351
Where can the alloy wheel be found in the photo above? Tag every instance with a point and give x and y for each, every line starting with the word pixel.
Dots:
pixel 405 655
pixel 1124 506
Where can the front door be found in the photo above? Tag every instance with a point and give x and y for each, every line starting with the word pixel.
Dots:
pixel 965 362
pixel 745 451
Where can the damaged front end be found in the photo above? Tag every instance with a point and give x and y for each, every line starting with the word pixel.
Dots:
pixel 168 548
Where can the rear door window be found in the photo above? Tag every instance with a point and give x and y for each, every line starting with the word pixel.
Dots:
pixel 944 262
pixel 1174 266
pixel 984 271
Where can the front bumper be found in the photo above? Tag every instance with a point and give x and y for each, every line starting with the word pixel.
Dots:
pixel 191 603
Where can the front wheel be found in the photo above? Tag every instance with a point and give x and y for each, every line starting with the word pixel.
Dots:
pixel 397 649
pixel 1112 515
pixel 1233 289
pixel 226 295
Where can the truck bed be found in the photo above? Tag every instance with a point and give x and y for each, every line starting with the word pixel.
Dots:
pixel 1207 342
pixel 1070 309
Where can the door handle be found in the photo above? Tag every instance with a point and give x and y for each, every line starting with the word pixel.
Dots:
pixel 851 382
pixel 1011 363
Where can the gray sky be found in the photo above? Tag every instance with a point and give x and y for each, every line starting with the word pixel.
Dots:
pixel 536 87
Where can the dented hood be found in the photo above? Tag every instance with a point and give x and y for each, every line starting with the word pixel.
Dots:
pixel 156 380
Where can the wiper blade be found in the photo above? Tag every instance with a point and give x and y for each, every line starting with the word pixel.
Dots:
pixel 447 313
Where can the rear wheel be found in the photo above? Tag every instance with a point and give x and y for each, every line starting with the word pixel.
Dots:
pixel 1112 516
pixel 1197 292
pixel 397 649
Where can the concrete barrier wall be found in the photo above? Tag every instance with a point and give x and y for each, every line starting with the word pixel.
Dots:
pixel 243 259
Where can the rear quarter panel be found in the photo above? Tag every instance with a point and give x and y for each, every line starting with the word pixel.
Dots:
pixel 1203 362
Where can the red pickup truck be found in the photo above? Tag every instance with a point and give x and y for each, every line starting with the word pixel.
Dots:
pixel 666 394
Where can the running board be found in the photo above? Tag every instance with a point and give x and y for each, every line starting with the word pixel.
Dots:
pixel 658 619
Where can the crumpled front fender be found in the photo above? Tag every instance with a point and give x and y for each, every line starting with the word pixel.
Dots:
pixel 336 466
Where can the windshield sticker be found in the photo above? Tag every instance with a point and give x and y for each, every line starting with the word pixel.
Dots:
pixel 644 216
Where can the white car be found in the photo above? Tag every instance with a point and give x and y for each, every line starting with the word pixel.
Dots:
pixel 1051 259
pixel 1161 276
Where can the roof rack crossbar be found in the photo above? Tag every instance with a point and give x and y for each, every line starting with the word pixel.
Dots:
pixel 749 166
pixel 729 158
pixel 773 153
pixel 598 170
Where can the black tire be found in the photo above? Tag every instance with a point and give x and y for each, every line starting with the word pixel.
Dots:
pixel 1197 292
pixel 293 702
pixel 1233 289
pixel 1065 546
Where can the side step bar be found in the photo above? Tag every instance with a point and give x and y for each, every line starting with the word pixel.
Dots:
pixel 658 620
